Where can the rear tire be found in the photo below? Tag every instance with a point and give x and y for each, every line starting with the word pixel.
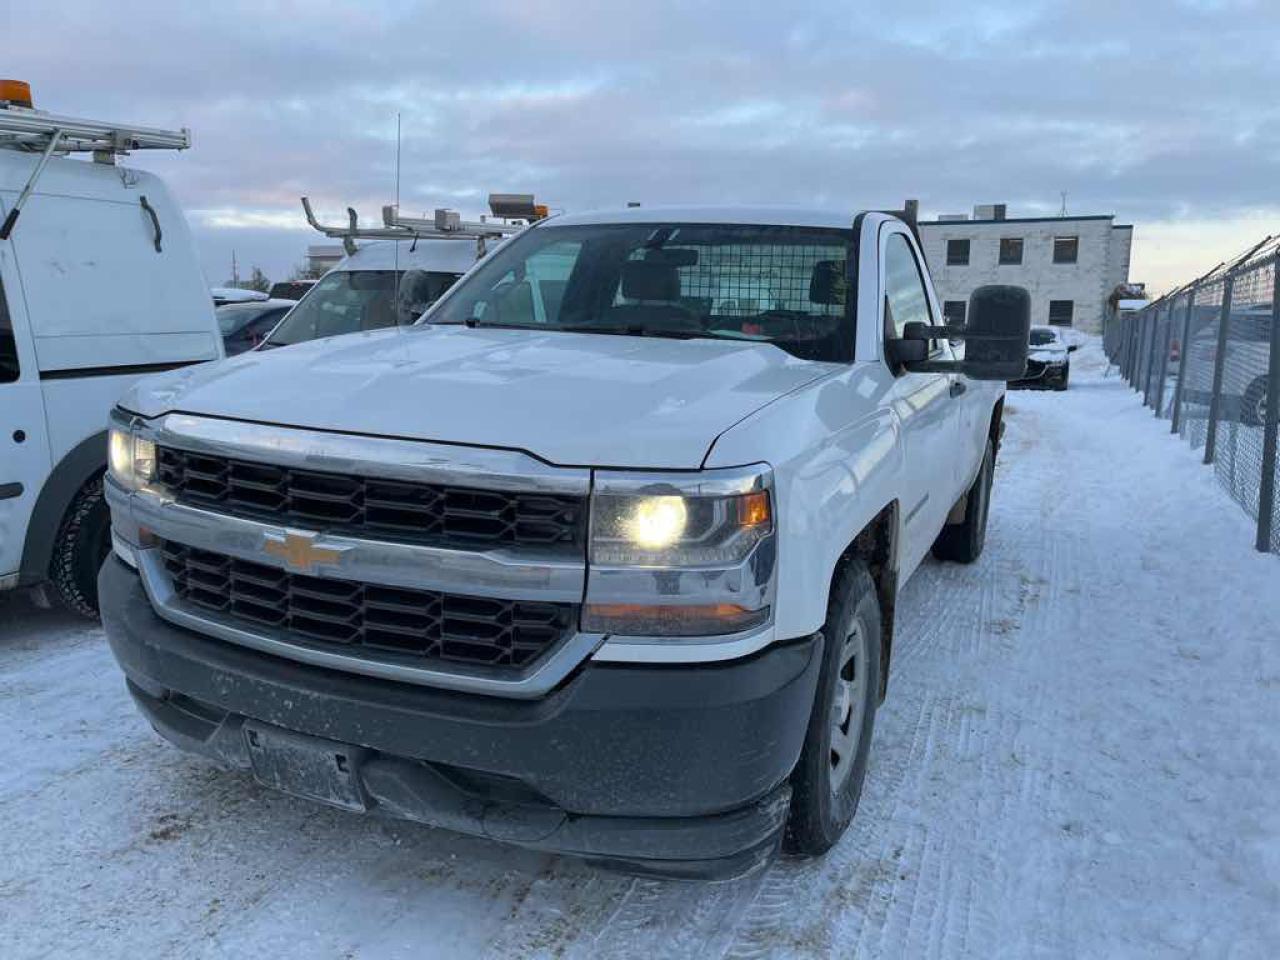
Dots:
pixel 83 542
pixel 1253 410
pixel 827 781
pixel 963 542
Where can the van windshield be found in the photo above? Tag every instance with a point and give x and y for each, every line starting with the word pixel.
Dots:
pixel 349 301
pixel 777 284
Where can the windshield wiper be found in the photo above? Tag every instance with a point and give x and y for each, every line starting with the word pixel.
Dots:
pixel 639 331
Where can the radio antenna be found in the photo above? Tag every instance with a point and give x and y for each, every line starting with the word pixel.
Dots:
pixel 396 290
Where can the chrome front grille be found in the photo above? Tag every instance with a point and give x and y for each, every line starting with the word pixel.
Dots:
pixel 366 619
pixel 464 517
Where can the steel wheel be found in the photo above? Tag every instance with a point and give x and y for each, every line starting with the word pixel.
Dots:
pixel 848 707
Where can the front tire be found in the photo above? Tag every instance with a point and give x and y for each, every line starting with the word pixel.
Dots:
pixel 827 781
pixel 963 542
pixel 84 539
pixel 1062 382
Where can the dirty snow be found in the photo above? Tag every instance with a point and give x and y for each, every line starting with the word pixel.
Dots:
pixel 1078 758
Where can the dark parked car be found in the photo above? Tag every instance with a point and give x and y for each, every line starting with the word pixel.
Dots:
pixel 1048 360
pixel 245 325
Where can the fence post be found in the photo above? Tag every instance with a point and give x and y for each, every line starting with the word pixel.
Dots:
pixel 1135 347
pixel 1165 343
pixel 1126 331
pixel 1267 491
pixel 1183 344
pixel 1139 340
pixel 1151 358
pixel 1219 360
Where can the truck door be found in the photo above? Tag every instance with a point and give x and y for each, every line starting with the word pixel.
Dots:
pixel 923 404
pixel 24 450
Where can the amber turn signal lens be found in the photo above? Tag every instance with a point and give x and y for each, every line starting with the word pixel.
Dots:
pixel 753 509
pixel 698 620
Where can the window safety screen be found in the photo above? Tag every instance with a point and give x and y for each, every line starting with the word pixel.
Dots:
pixel 778 284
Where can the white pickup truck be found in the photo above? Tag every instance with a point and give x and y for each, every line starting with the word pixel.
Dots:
pixel 576 563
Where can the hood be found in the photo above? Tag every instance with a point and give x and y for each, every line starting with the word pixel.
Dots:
pixel 568 398
pixel 1051 353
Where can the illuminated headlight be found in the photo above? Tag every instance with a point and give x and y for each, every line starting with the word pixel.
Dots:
pixel 671 530
pixel 681 556
pixel 130 458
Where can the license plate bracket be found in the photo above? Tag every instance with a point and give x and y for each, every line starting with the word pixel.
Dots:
pixel 309 767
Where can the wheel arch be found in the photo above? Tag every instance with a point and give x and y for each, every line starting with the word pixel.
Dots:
pixel 877 545
pixel 81 464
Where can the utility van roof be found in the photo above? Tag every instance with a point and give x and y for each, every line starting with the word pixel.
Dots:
pixel 443 256
pixel 69 177
pixel 763 215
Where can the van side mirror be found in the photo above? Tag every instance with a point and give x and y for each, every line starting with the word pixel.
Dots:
pixel 995 336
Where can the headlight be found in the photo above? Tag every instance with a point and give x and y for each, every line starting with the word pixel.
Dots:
pixel 674 530
pixel 130 458
pixel 681 555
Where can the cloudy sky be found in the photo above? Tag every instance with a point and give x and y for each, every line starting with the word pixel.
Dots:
pixel 1163 112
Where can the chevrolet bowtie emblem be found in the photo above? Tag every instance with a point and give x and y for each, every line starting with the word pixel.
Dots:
pixel 299 551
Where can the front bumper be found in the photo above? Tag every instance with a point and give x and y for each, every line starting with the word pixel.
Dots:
pixel 1041 373
pixel 677 771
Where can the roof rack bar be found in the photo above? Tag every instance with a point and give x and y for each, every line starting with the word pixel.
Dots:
pixel 447 223
pixel 11 218
pixel 28 128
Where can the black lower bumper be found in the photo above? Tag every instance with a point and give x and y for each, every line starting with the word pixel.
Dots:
pixel 676 771
pixel 1041 374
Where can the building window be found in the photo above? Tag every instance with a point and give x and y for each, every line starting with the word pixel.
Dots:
pixel 1060 312
pixel 958 252
pixel 1066 249
pixel 1010 250
pixel 953 313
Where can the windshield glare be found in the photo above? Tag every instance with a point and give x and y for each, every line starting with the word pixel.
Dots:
pixel 783 285
pixel 349 301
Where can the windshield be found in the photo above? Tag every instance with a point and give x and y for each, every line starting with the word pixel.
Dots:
pixel 1040 337
pixel 348 301
pixel 233 317
pixel 782 285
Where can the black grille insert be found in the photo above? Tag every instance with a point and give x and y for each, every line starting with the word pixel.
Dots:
pixel 457 516
pixel 369 617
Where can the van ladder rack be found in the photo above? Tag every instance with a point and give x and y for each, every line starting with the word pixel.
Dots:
pixel 22 128
pixel 446 225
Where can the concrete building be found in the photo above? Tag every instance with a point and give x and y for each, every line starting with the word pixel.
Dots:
pixel 1069 265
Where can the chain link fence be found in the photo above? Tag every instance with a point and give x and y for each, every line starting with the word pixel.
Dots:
pixel 1206 357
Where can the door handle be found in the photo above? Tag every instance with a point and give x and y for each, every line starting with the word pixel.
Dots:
pixel 957 387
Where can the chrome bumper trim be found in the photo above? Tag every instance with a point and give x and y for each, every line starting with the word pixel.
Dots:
pixel 535 682
pixel 499 573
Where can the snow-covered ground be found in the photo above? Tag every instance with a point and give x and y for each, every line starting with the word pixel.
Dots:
pixel 1078 758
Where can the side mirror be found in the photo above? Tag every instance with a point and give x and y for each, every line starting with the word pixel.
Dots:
pixel 1072 348
pixel 995 337
pixel 907 352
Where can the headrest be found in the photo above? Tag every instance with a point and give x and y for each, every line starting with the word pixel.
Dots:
pixel 827 284
pixel 650 280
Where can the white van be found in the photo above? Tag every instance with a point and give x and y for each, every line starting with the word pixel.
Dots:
pixel 99 284
pixel 401 269
pixel 362 292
